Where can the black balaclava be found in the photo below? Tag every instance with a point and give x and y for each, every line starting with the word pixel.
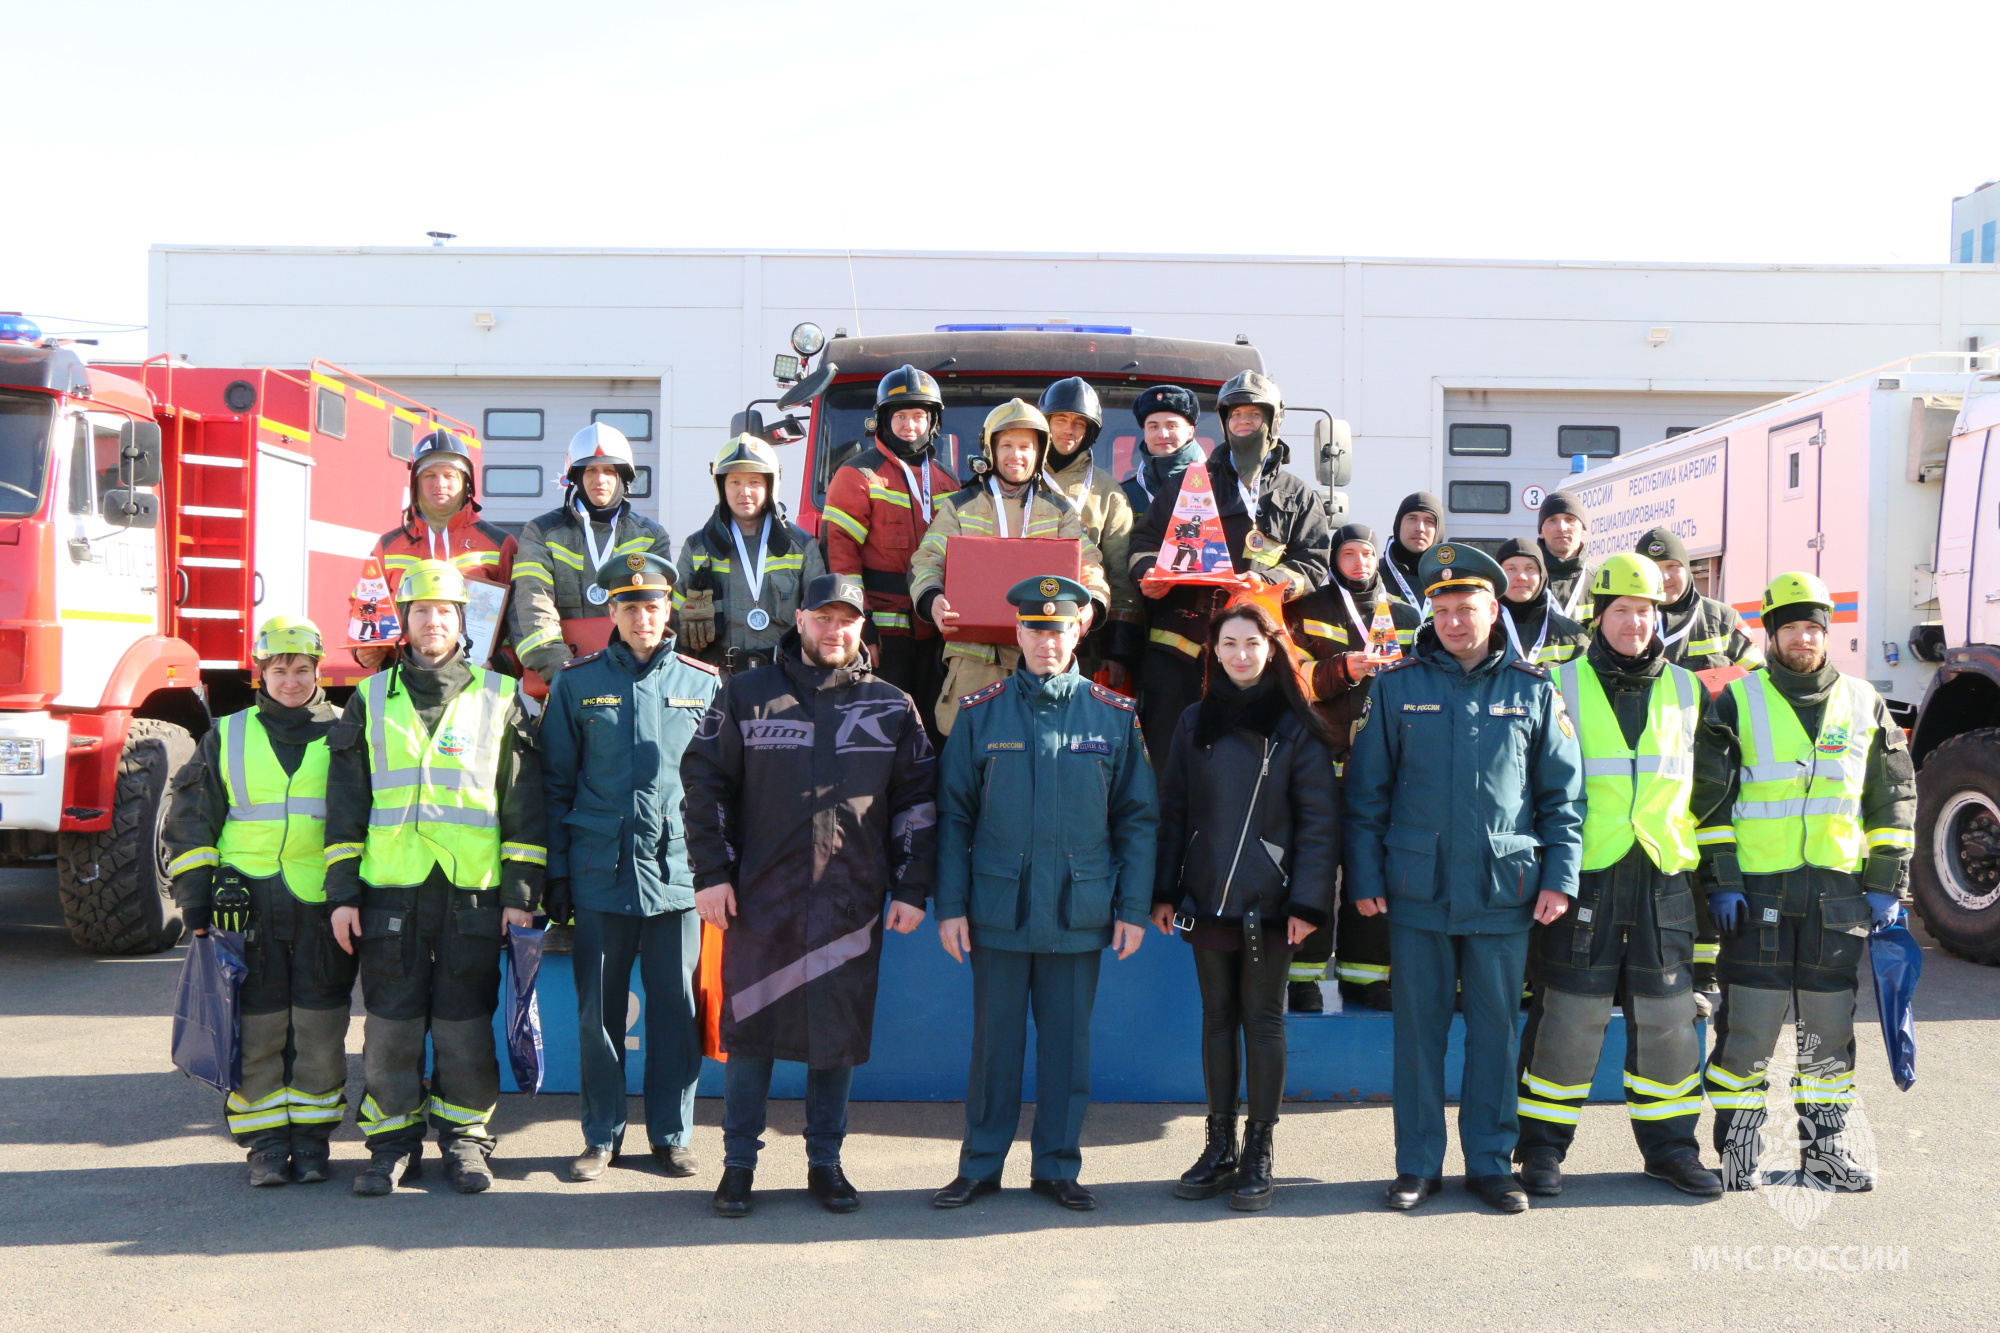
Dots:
pixel 1247 452
pixel 1358 532
pixel 1517 547
pixel 1660 544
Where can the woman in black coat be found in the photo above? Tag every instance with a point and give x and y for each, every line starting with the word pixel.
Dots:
pixel 1249 839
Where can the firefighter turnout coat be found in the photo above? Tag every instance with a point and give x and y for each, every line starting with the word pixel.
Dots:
pixel 553 576
pixel 877 510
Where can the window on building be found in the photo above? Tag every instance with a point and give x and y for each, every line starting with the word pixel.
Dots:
pixel 1986 243
pixel 642 483
pixel 1479 497
pixel 1965 246
pixel 402 439
pixel 1587 441
pixel 1481 441
pixel 632 425
pixel 1681 430
pixel 513 423
pixel 512 482
pixel 332 413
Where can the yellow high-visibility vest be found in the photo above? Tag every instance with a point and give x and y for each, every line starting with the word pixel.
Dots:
pixel 436 796
pixel 1798 800
pixel 1636 794
pixel 276 824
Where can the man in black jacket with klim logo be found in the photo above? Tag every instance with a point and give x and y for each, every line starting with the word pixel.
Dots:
pixel 811 797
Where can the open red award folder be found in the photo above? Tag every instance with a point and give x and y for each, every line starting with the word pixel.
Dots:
pixel 978 571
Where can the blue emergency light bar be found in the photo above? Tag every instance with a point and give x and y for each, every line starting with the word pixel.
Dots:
pixel 1033 328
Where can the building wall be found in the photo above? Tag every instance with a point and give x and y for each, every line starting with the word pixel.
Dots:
pixel 1400 348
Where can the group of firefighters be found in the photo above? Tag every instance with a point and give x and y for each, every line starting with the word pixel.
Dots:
pixel 1530 796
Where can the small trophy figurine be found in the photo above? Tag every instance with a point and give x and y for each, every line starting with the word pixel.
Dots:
pixel 1382 641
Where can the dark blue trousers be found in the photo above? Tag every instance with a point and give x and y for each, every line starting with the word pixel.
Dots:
pixel 1431 969
pixel 1061 988
pixel 668 948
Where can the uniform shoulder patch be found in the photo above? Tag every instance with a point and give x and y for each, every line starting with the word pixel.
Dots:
pixel 1538 672
pixel 579 661
pixel 1105 695
pixel 697 663
pixel 981 696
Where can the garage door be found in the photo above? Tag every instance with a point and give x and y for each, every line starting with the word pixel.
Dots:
pixel 1503 445
pixel 526 427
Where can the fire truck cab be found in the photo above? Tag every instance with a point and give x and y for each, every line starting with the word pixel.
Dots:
pixel 150 518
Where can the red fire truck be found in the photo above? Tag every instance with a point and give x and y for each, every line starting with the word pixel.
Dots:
pixel 151 517
pixel 980 366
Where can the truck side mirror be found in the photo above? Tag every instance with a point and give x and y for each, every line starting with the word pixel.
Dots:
pixel 139 452
pixel 1336 509
pixel 809 388
pixel 787 429
pixel 750 422
pixel 131 509
pixel 1333 451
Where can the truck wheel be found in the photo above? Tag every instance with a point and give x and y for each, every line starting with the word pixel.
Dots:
pixel 116 895
pixel 1955 874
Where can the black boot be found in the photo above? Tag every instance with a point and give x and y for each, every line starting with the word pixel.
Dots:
pixel 271 1164
pixel 1303 997
pixel 1540 1172
pixel 386 1169
pixel 1253 1178
pixel 465 1168
pixel 311 1161
pixel 732 1194
pixel 1215 1170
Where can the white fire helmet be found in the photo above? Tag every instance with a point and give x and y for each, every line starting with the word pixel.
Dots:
pixel 599 443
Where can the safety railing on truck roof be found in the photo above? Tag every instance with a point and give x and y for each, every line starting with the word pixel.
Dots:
pixel 1965 363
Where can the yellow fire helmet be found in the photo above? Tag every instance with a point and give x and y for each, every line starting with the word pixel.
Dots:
pixel 1796 589
pixel 282 636
pixel 746 453
pixel 1629 574
pixel 1014 414
pixel 432 581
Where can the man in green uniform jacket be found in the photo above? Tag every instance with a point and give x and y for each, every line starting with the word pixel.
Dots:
pixel 1046 825
pixel 1464 816
pixel 617 724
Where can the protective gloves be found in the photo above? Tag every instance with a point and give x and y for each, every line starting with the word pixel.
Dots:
pixel 1885 908
pixel 697 617
pixel 232 908
pixel 556 902
pixel 1727 911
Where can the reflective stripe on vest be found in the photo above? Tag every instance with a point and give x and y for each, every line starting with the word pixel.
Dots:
pixel 436 797
pixel 1799 799
pixel 1637 795
pixel 276 825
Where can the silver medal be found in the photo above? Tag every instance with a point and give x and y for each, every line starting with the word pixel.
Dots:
pixel 597 595
pixel 758 619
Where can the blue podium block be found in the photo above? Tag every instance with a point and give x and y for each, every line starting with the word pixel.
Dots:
pixel 1145 1036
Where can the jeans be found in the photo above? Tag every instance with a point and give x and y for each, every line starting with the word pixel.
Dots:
pixel 746 1091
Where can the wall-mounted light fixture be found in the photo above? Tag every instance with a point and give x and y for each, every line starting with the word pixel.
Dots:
pixel 1658 335
pixel 483 320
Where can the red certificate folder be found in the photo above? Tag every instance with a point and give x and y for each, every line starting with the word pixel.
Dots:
pixel 978 571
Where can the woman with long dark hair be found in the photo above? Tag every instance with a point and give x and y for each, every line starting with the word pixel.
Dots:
pixel 1249 841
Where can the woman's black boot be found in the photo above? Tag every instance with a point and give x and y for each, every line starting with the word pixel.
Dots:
pixel 1253 1178
pixel 1215 1170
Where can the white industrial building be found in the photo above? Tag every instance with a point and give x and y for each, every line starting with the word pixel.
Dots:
pixel 1975 225
pixel 1474 378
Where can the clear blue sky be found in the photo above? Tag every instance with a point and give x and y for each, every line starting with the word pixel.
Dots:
pixel 1742 131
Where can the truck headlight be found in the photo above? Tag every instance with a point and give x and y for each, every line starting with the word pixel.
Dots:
pixel 21 757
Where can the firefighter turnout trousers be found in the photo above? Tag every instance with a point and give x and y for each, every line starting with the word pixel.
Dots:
pixel 1627 940
pixel 430 963
pixel 1799 947
pixel 293 1023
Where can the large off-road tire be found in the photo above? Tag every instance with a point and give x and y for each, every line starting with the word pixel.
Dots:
pixel 116 895
pixel 1955 874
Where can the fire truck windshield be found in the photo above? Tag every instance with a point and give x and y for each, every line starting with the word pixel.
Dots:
pixel 24 452
pixel 844 410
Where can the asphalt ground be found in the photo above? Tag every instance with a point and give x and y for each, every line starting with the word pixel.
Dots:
pixel 124 1206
